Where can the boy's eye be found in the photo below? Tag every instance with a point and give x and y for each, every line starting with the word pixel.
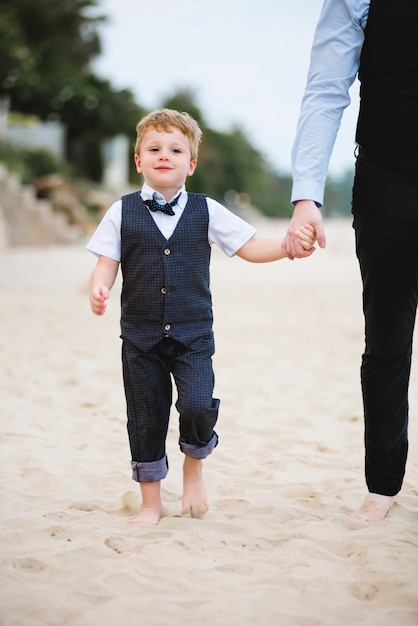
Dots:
pixel 153 149
pixel 177 150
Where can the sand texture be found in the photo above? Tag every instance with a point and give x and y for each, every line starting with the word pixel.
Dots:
pixel 278 546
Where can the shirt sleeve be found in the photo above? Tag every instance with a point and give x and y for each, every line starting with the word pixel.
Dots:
pixel 106 238
pixel 334 64
pixel 227 230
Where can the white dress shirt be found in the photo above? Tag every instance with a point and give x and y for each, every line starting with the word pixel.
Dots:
pixel 334 64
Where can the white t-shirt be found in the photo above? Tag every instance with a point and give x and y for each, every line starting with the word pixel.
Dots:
pixel 228 231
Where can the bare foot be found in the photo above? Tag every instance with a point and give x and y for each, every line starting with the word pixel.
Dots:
pixel 195 499
pixel 151 508
pixel 374 508
pixel 147 515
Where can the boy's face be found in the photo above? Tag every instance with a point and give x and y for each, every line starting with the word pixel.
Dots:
pixel 165 160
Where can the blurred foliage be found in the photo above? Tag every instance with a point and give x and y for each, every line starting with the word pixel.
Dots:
pixel 338 195
pixel 31 164
pixel 46 50
pixel 228 164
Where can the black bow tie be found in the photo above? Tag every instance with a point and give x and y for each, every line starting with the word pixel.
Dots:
pixel 165 208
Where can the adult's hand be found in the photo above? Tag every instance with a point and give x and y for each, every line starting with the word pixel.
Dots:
pixel 306 212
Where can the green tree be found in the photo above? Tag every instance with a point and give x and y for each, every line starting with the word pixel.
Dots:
pixel 228 161
pixel 46 49
pixel 43 47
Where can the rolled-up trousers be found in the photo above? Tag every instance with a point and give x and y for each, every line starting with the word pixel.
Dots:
pixel 148 391
pixel 385 210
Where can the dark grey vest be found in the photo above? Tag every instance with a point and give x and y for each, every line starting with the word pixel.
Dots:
pixel 166 283
pixel 388 119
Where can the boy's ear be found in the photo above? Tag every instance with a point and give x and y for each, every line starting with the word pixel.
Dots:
pixel 192 167
pixel 137 163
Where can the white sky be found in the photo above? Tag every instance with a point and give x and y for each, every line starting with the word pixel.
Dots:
pixel 245 60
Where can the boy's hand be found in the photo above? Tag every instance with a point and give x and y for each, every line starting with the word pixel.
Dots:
pixel 306 236
pixel 98 299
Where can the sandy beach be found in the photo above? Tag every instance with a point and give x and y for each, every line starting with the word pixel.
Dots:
pixel 278 546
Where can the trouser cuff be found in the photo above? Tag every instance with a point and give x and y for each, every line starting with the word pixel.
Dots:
pixel 199 452
pixel 149 472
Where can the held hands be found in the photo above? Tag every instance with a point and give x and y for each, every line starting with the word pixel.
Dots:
pixel 99 295
pixel 306 213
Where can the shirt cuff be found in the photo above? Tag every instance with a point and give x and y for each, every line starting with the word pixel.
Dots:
pixel 308 190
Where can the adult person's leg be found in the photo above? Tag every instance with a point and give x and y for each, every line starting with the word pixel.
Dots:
pixel 385 208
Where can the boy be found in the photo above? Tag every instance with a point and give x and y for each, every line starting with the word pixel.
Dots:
pixel 166 317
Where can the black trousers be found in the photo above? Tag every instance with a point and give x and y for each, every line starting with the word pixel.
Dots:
pixel 385 210
pixel 148 391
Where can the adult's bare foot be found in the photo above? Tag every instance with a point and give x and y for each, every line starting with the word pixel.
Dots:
pixel 195 499
pixel 374 508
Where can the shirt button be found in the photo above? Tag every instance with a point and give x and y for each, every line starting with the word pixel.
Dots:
pixel 163 290
pixel 167 327
pixel 167 251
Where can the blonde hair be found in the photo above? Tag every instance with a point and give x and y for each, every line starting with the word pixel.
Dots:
pixel 163 120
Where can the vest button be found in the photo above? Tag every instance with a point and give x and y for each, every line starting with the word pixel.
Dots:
pixel 167 327
pixel 167 251
pixel 163 290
